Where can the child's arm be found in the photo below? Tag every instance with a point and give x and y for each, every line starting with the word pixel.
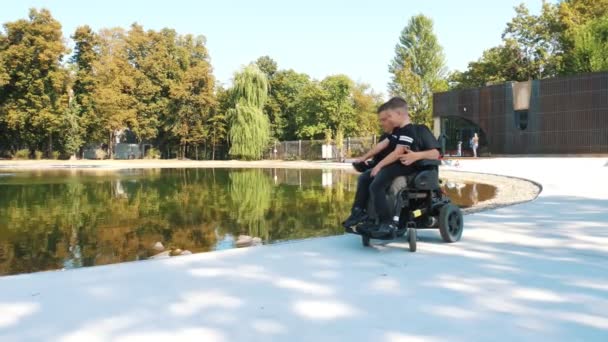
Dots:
pixel 375 150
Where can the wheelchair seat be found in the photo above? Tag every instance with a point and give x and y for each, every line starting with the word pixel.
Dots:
pixel 425 178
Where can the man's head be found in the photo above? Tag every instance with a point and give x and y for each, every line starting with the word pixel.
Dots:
pixel 394 112
pixel 385 123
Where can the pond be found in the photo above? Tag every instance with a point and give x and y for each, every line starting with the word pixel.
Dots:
pixel 56 219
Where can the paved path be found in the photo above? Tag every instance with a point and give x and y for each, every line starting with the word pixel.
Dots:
pixel 532 272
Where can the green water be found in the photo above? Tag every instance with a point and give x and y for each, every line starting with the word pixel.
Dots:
pixel 65 218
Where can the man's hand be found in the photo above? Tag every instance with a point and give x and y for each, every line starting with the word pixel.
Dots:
pixel 360 159
pixel 375 171
pixel 410 158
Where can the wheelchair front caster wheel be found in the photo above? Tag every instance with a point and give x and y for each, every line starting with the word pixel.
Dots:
pixel 411 237
pixel 365 240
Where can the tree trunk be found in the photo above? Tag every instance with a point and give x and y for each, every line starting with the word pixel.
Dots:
pixel 51 146
pixel 196 149
pixel 110 154
pixel 213 151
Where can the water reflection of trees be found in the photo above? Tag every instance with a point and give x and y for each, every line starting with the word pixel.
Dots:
pixel 87 220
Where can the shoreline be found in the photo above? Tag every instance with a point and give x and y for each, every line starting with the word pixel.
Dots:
pixel 510 190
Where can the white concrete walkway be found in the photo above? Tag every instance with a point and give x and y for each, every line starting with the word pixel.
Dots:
pixel 532 272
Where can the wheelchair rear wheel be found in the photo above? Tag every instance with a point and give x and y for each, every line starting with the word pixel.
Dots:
pixel 450 223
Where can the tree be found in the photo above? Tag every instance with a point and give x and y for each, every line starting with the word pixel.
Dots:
pixel 249 127
pixel 576 13
pixel 418 69
pixel 155 69
pixel 267 65
pixel 590 51
pixel 34 94
pixel 217 122
pixel 71 127
pixel 192 97
pixel 537 38
pixel 365 104
pixel 115 101
pixel 575 17
pixel 560 40
pixel 85 82
pixel 497 65
pixel 285 88
pixel 337 105
pixel 217 131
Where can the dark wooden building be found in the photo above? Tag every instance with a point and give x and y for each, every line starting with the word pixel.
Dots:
pixel 564 115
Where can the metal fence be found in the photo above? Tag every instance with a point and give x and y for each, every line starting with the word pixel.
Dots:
pixel 313 149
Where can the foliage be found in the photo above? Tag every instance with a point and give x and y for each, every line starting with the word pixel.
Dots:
pixel 418 69
pixel 249 127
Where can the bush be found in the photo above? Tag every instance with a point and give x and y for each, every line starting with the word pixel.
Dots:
pixel 22 154
pixel 153 153
pixel 38 155
pixel 55 155
pixel 100 154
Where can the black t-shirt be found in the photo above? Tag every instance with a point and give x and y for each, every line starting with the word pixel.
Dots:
pixel 426 139
pixel 404 136
pixel 416 137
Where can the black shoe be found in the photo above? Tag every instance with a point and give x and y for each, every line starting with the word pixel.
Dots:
pixel 357 216
pixel 384 229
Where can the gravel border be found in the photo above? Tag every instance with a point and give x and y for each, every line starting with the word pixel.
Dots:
pixel 509 190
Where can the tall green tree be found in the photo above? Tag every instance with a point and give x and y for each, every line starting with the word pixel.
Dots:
pixel 578 36
pixel 590 50
pixel 86 54
pixel 286 86
pixel 497 65
pixel 335 107
pixel 155 68
pixel 115 102
pixel 73 132
pixel 268 66
pixel 418 69
pixel 249 127
pixel 217 123
pixel 34 94
pixel 365 104
pixel 537 37
pixel 564 38
pixel 192 97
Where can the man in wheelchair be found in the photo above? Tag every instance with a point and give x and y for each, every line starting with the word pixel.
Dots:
pixel 404 152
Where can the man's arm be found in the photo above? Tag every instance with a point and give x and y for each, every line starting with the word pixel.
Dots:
pixel 391 158
pixel 375 150
pixel 429 144
pixel 411 157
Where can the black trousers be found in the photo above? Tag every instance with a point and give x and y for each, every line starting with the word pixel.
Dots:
pixel 376 187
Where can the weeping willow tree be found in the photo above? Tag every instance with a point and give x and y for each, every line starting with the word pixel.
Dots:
pixel 251 197
pixel 249 127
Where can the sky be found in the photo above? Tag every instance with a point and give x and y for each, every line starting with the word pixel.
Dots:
pixel 317 37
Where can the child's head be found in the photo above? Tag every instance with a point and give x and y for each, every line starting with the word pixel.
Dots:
pixel 393 112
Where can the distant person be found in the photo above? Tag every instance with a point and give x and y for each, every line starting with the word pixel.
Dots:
pixel 475 144
pixel 459 151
